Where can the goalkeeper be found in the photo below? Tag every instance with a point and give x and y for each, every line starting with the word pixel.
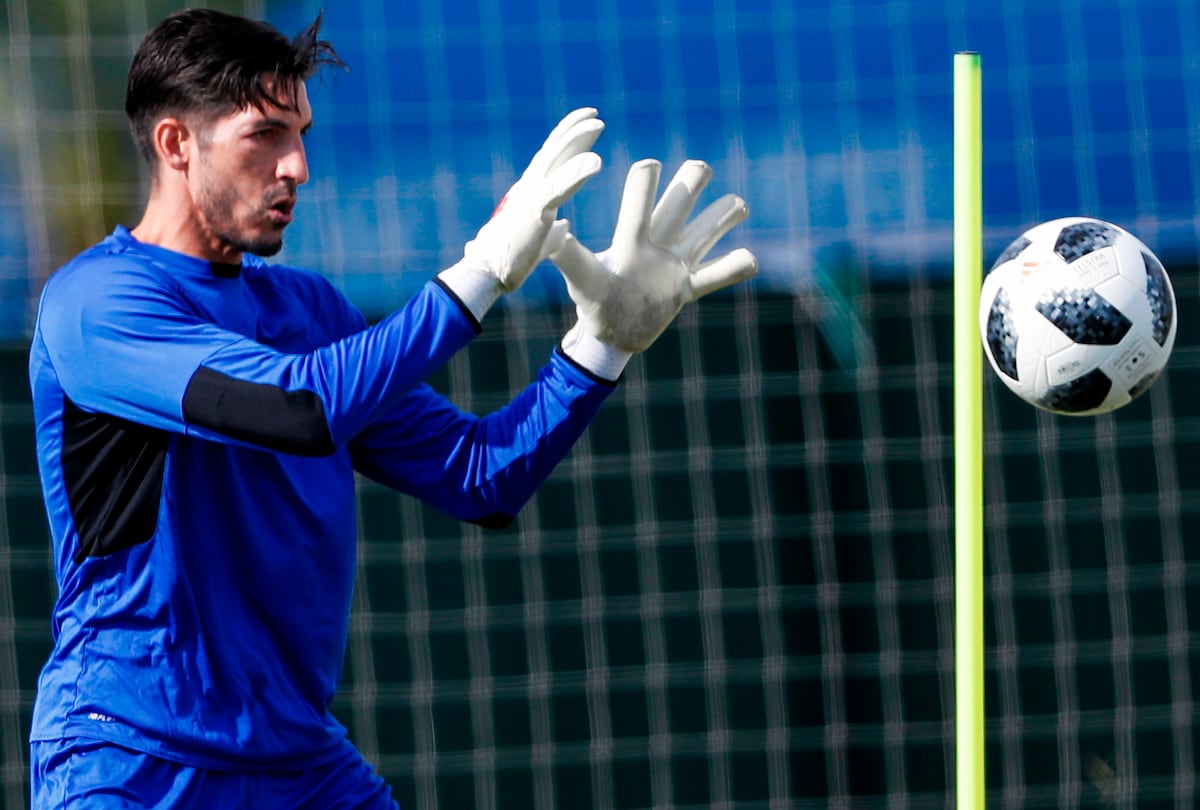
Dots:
pixel 200 415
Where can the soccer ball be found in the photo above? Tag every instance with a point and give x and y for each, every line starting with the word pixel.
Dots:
pixel 1077 316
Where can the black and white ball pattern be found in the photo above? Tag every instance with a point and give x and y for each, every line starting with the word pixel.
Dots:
pixel 1077 316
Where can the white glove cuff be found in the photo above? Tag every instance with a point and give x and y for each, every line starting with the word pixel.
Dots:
pixel 475 287
pixel 589 352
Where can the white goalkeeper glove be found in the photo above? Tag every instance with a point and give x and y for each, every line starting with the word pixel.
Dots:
pixel 627 295
pixel 522 230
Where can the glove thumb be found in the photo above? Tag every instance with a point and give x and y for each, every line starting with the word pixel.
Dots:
pixel 580 268
pixel 555 238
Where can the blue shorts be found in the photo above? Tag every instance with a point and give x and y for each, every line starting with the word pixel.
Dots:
pixel 79 773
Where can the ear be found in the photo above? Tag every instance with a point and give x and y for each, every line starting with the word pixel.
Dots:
pixel 174 142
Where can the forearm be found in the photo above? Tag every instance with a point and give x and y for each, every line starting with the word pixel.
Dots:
pixel 483 469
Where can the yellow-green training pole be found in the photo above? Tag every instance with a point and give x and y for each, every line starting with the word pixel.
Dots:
pixel 968 434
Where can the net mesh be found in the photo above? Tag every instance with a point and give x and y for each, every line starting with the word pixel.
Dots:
pixel 737 590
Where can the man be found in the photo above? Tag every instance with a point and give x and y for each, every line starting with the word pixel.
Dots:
pixel 200 415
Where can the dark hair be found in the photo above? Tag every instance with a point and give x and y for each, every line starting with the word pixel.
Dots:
pixel 207 64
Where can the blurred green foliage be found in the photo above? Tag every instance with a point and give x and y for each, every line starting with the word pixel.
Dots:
pixel 63 66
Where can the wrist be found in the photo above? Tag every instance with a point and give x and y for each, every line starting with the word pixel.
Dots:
pixel 475 287
pixel 588 351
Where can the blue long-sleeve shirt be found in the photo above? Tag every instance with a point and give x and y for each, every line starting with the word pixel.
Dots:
pixel 198 428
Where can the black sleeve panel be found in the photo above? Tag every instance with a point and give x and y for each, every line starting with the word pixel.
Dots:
pixel 495 521
pixel 266 415
pixel 113 472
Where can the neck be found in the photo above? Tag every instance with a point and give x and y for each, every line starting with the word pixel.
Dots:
pixel 189 234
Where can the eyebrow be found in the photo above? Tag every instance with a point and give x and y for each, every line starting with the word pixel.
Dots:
pixel 279 123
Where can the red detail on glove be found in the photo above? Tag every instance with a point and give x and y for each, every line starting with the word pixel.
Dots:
pixel 499 205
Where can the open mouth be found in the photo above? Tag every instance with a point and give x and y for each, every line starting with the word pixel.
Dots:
pixel 282 211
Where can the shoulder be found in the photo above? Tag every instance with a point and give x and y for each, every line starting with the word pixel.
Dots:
pixel 104 294
pixel 103 275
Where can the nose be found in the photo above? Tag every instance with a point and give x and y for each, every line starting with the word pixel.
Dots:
pixel 294 164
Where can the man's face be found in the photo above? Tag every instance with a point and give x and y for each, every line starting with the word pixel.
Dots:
pixel 249 166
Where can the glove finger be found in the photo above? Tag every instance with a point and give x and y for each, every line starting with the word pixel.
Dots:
pixel 677 202
pixel 580 138
pixel 637 202
pixel 731 268
pixel 581 268
pixel 565 180
pixel 571 119
pixel 538 191
pixel 709 226
pixel 550 148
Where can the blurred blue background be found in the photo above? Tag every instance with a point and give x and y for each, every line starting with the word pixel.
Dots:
pixel 833 119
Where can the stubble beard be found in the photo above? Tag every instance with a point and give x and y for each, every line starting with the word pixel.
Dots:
pixel 218 203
